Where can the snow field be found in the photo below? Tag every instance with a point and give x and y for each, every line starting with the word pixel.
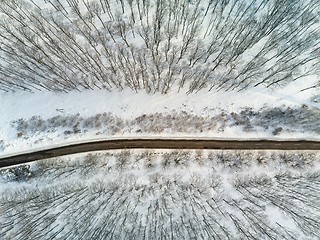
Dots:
pixel 220 115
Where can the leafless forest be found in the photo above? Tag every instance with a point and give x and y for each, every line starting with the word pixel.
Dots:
pixel 164 195
pixel 153 45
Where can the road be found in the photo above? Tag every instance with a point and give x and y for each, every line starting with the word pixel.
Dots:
pixel 159 144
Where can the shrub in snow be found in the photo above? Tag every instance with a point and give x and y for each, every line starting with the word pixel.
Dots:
pixel 294 119
pixel 17 173
pixel 2 146
pixel 277 131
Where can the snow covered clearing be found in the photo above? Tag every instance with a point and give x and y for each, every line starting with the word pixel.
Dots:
pixel 44 119
pixel 164 194
pixel 133 62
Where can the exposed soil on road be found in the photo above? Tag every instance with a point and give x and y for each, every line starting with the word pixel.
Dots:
pixel 159 144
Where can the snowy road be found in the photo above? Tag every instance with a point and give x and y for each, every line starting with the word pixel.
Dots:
pixel 159 144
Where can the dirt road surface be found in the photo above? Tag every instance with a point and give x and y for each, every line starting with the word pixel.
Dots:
pixel 158 144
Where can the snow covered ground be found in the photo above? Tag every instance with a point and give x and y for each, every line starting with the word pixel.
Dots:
pixel 138 194
pixel 77 46
pixel 158 194
pixel 128 105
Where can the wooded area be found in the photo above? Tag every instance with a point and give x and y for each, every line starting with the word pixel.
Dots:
pixel 152 45
pixel 164 195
